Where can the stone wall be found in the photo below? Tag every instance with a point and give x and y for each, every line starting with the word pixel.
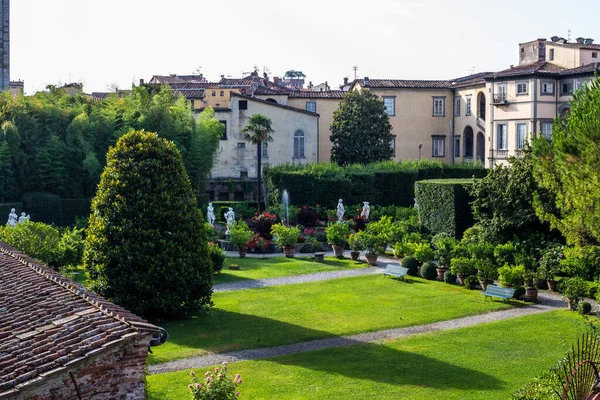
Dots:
pixel 113 373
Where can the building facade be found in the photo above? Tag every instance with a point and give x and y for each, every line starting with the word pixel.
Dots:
pixel 4 45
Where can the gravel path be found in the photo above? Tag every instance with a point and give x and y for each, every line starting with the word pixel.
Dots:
pixel 288 280
pixel 548 302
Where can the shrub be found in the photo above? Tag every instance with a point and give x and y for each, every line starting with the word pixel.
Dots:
pixel 70 248
pixel 258 242
pixel 285 236
pixel 505 253
pixel 428 271
pixel 262 224
pixel 146 248
pixel 486 271
pixel 550 261
pixel 307 216
pixel 444 205
pixel 423 252
pixel 584 308
pixel 573 289
pixel 44 207
pixel 35 239
pixel 443 247
pixel 240 234
pixel 519 292
pixel 450 278
pixel 337 233
pixel 410 263
pixel 462 266
pixel 510 276
pixel 215 385
pixel 471 282
pixel 354 242
pixel 372 242
pixel 217 256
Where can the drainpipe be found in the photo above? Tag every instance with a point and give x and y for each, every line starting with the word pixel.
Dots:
pixel 535 98
pixel 452 123
pixel 492 125
pixel 318 138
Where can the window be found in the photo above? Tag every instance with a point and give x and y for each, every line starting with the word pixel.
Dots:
pixel 265 147
pixel 222 93
pixel 390 105
pixel 456 146
pixel 502 93
pixel 457 107
pixel 224 134
pixel 243 104
pixel 547 129
pixel 243 174
pixel 241 145
pixel 438 106
pixel 214 93
pixel 311 106
pixel 299 144
pixel 468 107
pixel 521 135
pixel 547 88
pixel 502 137
pixel 566 88
pixel 594 54
pixel 521 88
pixel 551 55
pixel 438 146
pixel 393 146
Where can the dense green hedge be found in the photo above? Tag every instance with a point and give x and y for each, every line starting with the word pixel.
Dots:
pixel 384 183
pixel 444 205
pixel 73 208
pixel 48 208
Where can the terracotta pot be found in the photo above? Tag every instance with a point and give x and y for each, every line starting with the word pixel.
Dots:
pixel 531 294
pixel 371 259
pixel 551 284
pixel 242 252
pixel 461 279
pixel 570 304
pixel 289 251
pixel 355 255
pixel 440 272
pixel 483 284
pixel 338 251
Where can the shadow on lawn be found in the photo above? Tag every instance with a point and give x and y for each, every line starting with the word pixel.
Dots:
pixel 251 337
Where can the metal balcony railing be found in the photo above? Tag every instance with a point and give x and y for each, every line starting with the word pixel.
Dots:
pixel 501 99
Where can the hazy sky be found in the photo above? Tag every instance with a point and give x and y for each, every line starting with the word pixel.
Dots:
pixel 108 42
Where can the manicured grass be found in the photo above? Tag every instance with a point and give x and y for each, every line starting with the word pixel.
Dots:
pixel 488 361
pixel 262 268
pixel 296 313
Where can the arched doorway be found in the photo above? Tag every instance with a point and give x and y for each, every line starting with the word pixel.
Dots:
pixel 481 105
pixel 480 147
pixel 468 143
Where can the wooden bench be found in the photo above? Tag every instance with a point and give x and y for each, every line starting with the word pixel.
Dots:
pixel 320 256
pixel 500 292
pixel 395 270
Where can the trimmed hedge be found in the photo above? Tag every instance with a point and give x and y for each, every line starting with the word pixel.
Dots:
pixel 43 207
pixel 73 208
pixel 444 205
pixel 385 183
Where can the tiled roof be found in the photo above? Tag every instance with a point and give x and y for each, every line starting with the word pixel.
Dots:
pixel 193 85
pixel 300 110
pixel 470 80
pixel 584 69
pixel 48 322
pixel 576 45
pixel 400 83
pixel 310 94
pixel 168 79
pixel 539 67
pixel 99 95
pixel 191 94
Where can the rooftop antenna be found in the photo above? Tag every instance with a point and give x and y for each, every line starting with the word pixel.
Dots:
pixel 471 70
pixel 355 69
pixel 569 35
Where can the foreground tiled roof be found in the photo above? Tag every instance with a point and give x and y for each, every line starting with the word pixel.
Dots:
pixel 310 94
pixel 48 322
pixel 539 67
pixel 584 69
pixel 400 83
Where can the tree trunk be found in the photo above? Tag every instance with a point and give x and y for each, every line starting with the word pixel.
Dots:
pixel 259 175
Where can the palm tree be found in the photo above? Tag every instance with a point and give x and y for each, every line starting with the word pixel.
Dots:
pixel 258 131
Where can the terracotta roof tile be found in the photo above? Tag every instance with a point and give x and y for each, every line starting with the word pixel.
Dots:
pixel 47 321
pixel 584 69
pixel 401 83
pixel 310 94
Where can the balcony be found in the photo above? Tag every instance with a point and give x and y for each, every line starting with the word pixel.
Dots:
pixel 481 123
pixel 499 154
pixel 501 99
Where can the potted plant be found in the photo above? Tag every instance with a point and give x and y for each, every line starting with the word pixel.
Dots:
pixel 285 237
pixel 531 292
pixel 259 243
pixel 486 272
pixel 337 236
pixel 372 243
pixel 443 246
pixel 462 267
pixel 550 265
pixel 511 276
pixel 239 235
pixel 355 245
pixel 573 290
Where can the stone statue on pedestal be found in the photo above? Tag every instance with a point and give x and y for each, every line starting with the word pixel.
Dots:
pixel 230 218
pixel 340 211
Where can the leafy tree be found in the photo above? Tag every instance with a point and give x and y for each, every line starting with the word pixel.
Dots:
pixel 568 168
pixel 294 74
pixel 8 182
pixel 360 130
pixel 146 247
pixel 258 131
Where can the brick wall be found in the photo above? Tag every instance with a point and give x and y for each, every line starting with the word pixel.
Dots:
pixel 116 372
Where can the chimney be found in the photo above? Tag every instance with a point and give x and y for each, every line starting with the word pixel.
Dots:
pixel 310 85
pixel 580 40
pixel 589 41
pixel 276 80
pixel 367 82
pixel 326 86
pixel 345 80
pixel 141 82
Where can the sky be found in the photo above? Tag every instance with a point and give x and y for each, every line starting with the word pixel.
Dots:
pixel 109 43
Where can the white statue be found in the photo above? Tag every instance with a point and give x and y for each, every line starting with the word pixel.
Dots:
pixel 340 211
pixel 210 214
pixel 365 211
pixel 24 218
pixel 12 218
pixel 230 218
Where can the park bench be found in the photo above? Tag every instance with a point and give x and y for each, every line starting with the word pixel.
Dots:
pixel 395 270
pixel 500 292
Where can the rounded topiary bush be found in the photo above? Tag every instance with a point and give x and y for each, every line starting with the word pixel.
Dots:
pixel 584 308
pixel 428 271
pixel 410 263
pixel 449 278
pixel 519 292
pixel 146 247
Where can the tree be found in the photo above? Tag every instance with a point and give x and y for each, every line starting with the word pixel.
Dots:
pixel 294 74
pixel 258 131
pixel 360 130
pixel 146 247
pixel 568 167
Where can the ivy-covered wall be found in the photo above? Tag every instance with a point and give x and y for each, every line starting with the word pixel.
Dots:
pixel 444 205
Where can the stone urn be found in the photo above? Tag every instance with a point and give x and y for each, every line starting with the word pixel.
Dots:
pixel 552 284
pixel 355 255
pixel 461 278
pixel 440 273
pixel 483 284
pixel 242 252
pixel 371 258
pixel 289 251
pixel 531 294
pixel 338 251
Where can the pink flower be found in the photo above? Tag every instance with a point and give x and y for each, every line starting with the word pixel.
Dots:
pixel 237 376
pixel 237 394
pixel 207 373
pixel 190 386
pixel 224 363
pixel 192 373
pixel 197 386
pixel 217 369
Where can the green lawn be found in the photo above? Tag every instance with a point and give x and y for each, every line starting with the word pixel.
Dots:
pixel 262 268
pixel 296 313
pixel 489 361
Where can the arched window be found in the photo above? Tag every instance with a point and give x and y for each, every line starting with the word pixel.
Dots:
pixel 299 144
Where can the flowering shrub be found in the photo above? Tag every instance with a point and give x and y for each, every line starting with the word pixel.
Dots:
pixel 550 261
pixel 307 216
pixel 215 385
pixel 262 224
pixel 258 242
